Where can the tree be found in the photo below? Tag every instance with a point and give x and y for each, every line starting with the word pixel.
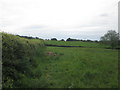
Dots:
pixel 54 39
pixel 110 38
pixel 62 40
pixel 69 39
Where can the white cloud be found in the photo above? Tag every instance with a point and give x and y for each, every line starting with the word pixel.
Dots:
pixel 53 16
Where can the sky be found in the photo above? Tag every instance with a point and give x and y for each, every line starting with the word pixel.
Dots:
pixel 61 19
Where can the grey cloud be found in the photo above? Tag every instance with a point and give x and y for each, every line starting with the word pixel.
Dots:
pixel 92 25
pixel 104 15
pixel 59 34
pixel 35 27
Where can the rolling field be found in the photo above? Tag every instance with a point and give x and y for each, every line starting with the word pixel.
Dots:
pixel 76 68
pixel 77 43
pixel 28 63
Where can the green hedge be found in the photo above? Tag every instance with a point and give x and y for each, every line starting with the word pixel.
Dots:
pixel 18 57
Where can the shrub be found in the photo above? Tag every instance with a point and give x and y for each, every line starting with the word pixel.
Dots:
pixel 18 57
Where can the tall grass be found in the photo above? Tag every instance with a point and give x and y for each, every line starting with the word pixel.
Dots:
pixel 81 68
pixel 18 58
pixel 75 68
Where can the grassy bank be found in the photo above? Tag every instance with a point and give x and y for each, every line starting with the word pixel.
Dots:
pixel 18 58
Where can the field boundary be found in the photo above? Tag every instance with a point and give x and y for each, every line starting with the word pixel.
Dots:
pixel 51 45
pixel 60 45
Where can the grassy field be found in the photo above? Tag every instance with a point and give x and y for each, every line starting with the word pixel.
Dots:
pixel 77 43
pixel 76 68
pixel 27 63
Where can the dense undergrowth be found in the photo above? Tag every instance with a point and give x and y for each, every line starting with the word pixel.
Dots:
pixel 18 58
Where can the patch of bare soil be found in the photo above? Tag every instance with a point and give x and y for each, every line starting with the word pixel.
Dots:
pixel 51 54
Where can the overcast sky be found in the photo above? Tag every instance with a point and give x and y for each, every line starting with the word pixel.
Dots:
pixel 82 19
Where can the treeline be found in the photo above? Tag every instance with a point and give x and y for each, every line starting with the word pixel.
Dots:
pixel 18 58
pixel 71 39
pixel 29 37
pixel 55 39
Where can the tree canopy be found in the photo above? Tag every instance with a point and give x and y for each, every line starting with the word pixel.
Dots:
pixel 54 39
pixel 111 38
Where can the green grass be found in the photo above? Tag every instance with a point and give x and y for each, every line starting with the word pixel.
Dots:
pixel 76 68
pixel 27 64
pixel 77 43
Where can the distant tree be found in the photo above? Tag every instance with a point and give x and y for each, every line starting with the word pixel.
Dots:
pixel 110 38
pixel 54 39
pixel 81 40
pixel 96 41
pixel 26 37
pixel 88 41
pixel 62 40
pixel 47 39
pixel 37 37
pixel 69 39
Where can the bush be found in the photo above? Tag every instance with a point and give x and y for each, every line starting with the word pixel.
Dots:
pixel 18 57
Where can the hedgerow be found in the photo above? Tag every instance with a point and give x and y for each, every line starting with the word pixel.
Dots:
pixel 18 58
